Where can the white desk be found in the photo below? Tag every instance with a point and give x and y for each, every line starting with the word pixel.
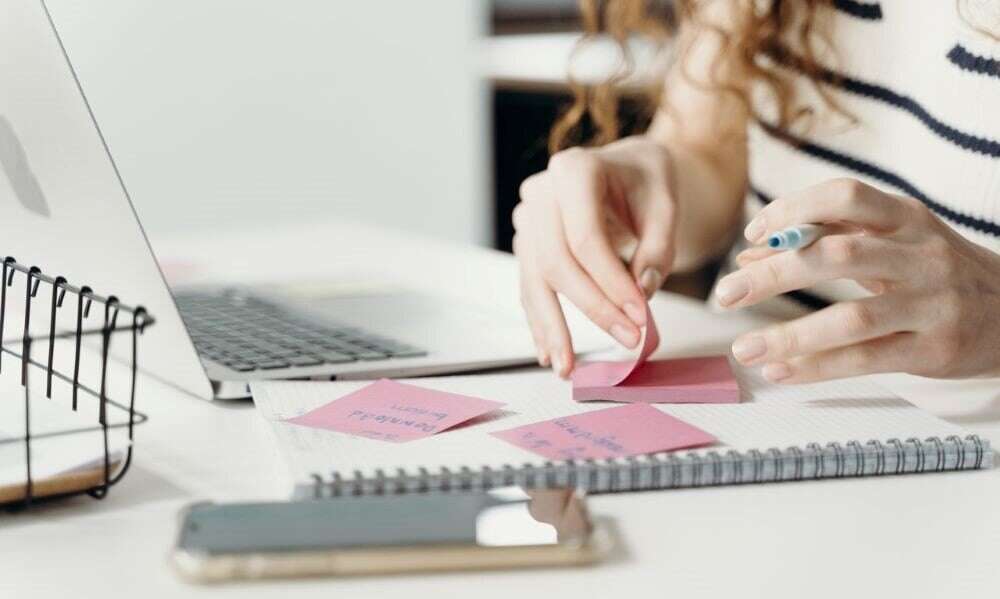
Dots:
pixel 909 536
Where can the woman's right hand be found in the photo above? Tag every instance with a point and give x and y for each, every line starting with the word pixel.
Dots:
pixel 578 223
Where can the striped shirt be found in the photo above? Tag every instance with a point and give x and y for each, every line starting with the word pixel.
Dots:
pixel 922 79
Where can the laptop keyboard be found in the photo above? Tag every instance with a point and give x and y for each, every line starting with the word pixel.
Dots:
pixel 246 334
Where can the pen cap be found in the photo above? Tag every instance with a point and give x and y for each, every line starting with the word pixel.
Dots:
pixel 783 239
pixel 795 237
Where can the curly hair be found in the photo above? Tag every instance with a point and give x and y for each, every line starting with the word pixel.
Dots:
pixel 776 29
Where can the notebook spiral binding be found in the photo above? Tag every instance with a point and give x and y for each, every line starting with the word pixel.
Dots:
pixel 671 470
pixel 81 382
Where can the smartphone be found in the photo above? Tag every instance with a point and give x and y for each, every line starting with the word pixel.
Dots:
pixel 503 528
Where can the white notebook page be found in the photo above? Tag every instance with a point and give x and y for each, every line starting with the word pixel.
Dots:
pixel 769 416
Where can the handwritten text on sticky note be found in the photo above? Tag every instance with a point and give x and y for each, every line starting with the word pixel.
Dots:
pixel 610 433
pixel 397 412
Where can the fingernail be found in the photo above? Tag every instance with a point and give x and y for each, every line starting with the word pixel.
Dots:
pixel 747 349
pixel 635 313
pixel 624 336
pixel 650 280
pixel 732 289
pixel 755 229
pixel 776 372
pixel 557 365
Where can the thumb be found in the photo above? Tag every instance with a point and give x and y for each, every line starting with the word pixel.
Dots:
pixel 647 262
pixel 654 254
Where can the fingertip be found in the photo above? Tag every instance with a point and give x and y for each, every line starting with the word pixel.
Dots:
pixel 755 230
pixel 650 280
pixel 749 348
pixel 557 365
pixel 776 372
pixel 635 312
pixel 569 364
pixel 732 289
pixel 562 363
pixel 627 336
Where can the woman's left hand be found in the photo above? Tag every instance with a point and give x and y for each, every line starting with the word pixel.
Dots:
pixel 935 308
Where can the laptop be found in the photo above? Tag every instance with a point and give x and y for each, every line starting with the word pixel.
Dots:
pixel 65 207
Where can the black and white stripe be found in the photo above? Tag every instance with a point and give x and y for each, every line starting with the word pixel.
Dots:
pixel 968 61
pixel 902 101
pixel 863 10
pixel 873 171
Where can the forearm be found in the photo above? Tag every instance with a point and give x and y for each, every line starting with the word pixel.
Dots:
pixel 703 129
pixel 709 197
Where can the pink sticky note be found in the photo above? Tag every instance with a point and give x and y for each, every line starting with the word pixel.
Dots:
pixel 707 379
pixel 609 374
pixel 391 411
pixel 609 433
pixel 688 380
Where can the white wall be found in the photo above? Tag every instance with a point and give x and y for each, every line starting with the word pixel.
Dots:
pixel 222 112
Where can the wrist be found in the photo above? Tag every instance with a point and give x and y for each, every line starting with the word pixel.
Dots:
pixel 709 200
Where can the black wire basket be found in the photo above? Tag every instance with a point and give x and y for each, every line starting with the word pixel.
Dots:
pixel 61 363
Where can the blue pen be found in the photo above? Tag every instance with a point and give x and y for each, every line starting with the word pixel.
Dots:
pixel 795 238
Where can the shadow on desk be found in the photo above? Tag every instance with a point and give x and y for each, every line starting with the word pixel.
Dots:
pixel 989 413
pixel 141 486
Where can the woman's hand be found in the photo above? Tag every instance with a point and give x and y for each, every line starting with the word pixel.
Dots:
pixel 936 304
pixel 576 223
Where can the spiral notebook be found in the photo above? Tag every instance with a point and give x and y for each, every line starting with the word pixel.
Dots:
pixel 851 427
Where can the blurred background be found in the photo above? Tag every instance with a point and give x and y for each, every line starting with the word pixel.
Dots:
pixel 417 115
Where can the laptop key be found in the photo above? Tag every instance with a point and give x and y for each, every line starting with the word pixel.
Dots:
pixel 333 357
pixel 283 352
pixel 241 366
pixel 288 342
pixel 258 348
pixel 407 352
pixel 272 364
pixel 335 345
pixel 313 349
pixel 350 351
pixel 304 361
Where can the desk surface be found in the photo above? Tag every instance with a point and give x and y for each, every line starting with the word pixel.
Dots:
pixel 913 536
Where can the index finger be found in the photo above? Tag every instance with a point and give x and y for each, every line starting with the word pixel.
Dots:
pixel 584 214
pixel 834 201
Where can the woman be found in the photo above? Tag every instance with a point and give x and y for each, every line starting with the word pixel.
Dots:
pixel 878 119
